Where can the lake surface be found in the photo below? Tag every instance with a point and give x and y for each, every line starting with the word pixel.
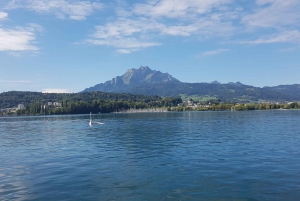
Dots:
pixel 220 156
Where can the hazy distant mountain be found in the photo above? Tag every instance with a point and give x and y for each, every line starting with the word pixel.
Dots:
pixel 133 78
pixel 235 83
pixel 292 90
pixel 150 82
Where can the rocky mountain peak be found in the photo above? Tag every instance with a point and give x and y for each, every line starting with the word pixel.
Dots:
pixel 145 75
pixel 133 78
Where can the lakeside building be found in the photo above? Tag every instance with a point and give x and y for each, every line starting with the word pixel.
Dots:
pixel 20 107
pixel 57 104
pixel 8 110
pixel 54 104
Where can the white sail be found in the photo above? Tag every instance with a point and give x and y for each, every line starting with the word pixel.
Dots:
pixel 90 119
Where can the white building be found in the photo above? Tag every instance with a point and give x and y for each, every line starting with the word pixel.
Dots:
pixel 57 104
pixel 20 107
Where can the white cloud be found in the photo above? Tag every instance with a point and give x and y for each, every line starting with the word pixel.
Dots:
pixel 125 51
pixel 274 13
pixel 56 91
pixel 124 27
pixel 19 38
pixel 179 30
pixel 124 45
pixel 125 34
pixel 214 52
pixel 202 28
pixel 142 25
pixel 160 18
pixel 177 8
pixel 134 27
pixel 76 10
pixel 130 33
pixel 3 15
pixel 284 37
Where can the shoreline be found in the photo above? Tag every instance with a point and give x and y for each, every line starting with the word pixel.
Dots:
pixel 159 110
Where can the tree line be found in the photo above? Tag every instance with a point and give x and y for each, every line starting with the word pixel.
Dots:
pixel 101 102
pixel 238 107
pixel 95 106
pixel 13 98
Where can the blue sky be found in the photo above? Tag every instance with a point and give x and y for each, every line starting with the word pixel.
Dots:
pixel 67 45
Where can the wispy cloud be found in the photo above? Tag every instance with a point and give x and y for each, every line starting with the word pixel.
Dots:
pixel 124 45
pixel 142 25
pixel 56 91
pixel 177 8
pixel 132 33
pixel 75 10
pixel 125 34
pixel 284 37
pixel 214 52
pixel 146 24
pixel 19 38
pixel 126 51
pixel 274 13
pixel 3 15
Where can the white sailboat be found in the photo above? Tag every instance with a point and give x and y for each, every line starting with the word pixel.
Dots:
pixel 91 124
pixel 90 119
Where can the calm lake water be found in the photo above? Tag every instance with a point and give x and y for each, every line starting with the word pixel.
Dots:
pixel 220 156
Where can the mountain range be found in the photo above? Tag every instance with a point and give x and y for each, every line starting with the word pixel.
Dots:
pixel 151 82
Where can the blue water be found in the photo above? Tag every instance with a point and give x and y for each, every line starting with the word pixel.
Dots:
pixel 220 156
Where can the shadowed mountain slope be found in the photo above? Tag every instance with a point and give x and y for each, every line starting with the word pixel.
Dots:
pixel 292 90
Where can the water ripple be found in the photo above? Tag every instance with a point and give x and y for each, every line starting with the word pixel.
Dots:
pixel 154 156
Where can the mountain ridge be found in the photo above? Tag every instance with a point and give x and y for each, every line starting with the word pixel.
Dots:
pixel 151 82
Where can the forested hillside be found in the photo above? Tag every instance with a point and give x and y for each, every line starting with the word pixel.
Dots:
pixel 292 90
pixel 13 98
pixel 81 103
pixel 224 92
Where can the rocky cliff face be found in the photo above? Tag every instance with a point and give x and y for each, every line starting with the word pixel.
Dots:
pixel 132 78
